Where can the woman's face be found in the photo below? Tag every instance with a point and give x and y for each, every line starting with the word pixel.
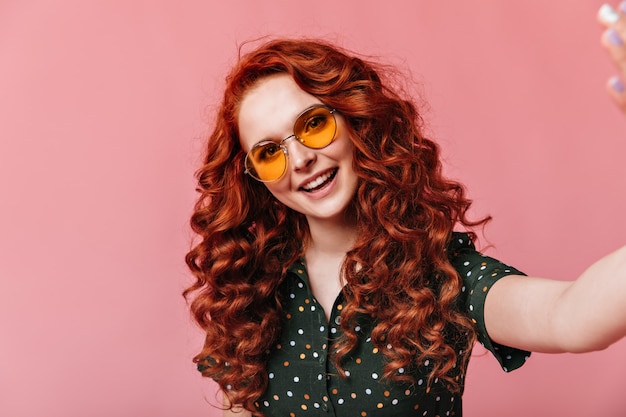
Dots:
pixel 318 183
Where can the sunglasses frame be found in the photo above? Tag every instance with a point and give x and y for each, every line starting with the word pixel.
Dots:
pixel 281 145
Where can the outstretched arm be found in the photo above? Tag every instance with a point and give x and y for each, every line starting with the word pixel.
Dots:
pixel 551 316
pixel 614 41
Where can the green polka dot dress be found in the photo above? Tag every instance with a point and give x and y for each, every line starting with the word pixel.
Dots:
pixel 303 382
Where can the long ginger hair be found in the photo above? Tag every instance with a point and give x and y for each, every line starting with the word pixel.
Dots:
pixel 398 271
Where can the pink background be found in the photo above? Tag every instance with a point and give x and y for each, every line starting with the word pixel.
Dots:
pixel 103 109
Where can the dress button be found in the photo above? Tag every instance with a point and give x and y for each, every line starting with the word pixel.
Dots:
pixel 322 360
pixel 324 406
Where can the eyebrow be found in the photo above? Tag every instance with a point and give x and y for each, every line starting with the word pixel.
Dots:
pixel 262 141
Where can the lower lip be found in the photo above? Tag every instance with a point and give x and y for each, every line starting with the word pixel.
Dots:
pixel 324 191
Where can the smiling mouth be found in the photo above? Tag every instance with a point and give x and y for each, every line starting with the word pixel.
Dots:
pixel 320 181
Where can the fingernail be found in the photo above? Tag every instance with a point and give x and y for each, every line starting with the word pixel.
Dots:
pixel 616 85
pixel 607 14
pixel 613 37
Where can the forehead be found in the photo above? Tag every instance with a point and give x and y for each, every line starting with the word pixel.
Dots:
pixel 270 108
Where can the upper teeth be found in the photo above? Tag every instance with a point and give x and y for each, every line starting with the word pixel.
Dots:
pixel 317 181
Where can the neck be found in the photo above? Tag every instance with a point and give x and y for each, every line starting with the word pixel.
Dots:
pixel 331 237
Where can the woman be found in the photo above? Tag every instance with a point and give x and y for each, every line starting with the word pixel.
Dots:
pixel 329 277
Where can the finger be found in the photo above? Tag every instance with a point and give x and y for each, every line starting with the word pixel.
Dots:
pixel 615 44
pixel 617 91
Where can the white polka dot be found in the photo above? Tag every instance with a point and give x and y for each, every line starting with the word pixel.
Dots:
pixel 438 398
pixel 374 375
pixel 368 391
pixel 426 362
pixel 296 379
pixel 300 331
pixel 333 330
pixel 357 329
pixel 320 377
pixel 469 273
pixel 315 354
pixel 401 370
pixel 292 296
pixel 466 263
pixel 312 308
pixel 266 403
pixel 322 328
pixel 394 401
pixel 463 288
pixel 289 394
pixel 292 343
pixel 229 386
pixel 347 373
pixel 316 405
pixel 340 401
pixel 300 285
pixel 389 346
pixel 420 382
pixel 271 375
pixel 471 308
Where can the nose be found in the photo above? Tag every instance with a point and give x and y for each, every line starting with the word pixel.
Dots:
pixel 300 157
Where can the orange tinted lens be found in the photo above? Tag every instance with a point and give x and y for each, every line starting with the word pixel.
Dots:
pixel 266 161
pixel 316 128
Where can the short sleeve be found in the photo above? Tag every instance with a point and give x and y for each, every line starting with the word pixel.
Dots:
pixel 479 273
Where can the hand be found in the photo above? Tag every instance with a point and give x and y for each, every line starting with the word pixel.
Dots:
pixel 614 41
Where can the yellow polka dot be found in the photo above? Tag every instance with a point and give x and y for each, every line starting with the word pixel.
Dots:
pixel 474 321
pixel 303 406
pixel 363 413
pixel 416 406
pixel 379 405
pixel 485 289
pixel 334 391
pixel 279 346
pixel 307 301
pixel 483 264
pixel 307 397
pixel 300 271
pixel 288 315
pixel 307 346
pixel 275 397
pixel 375 350
pixel 292 414
pixel 324 346
pixel 427 390
pixel 302 356
pixel 286 363
pixel 325 398
pixel 353 395
pixel 339 307
pixel 386 393
pixel 358 360
pixel 300 309
pixel 407 392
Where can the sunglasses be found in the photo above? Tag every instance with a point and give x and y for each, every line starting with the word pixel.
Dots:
pixel 315 128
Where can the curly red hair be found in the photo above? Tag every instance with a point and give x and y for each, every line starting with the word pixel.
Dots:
pixel 398 271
